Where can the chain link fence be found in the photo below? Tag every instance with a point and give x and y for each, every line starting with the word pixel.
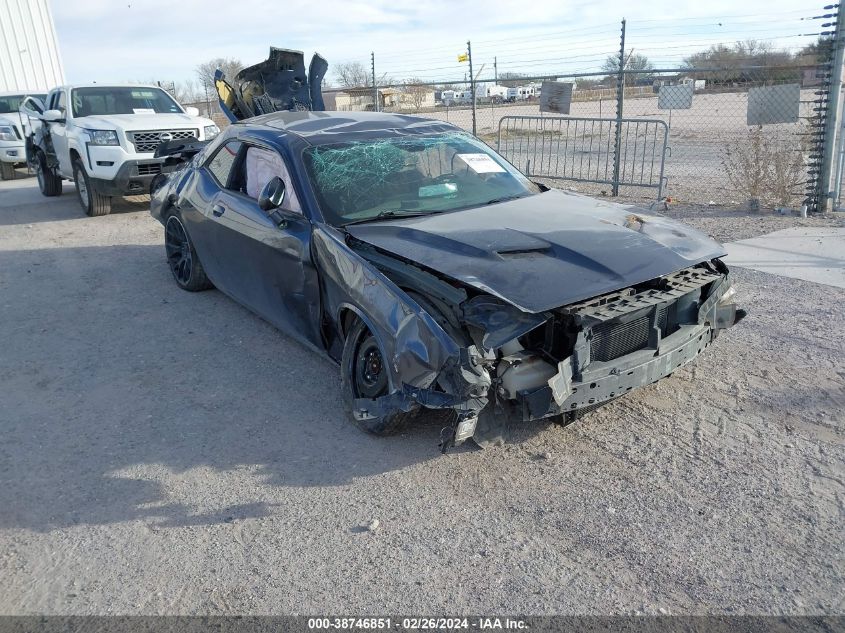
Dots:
pixel 734 136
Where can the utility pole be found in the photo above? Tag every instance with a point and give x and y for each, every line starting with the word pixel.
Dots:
pixel 472 85
pixel 375 89
pixel 495 71
pixel 833 116
pixel 620 102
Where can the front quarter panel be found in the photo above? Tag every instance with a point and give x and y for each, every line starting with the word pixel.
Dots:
pixel 416 345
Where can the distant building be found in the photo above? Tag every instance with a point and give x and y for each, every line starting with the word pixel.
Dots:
pixel 29 51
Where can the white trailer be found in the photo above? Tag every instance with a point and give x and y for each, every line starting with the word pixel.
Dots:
pixel 29 51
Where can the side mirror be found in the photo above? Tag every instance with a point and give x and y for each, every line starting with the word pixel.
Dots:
pixel 192 111
pixel 272 195
pixel 54 116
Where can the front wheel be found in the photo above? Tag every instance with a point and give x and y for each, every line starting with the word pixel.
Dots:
pixel 364 375
pixel 49 183
pixel 93 202
pixel 182 258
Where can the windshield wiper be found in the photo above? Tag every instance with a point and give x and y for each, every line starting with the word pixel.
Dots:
pixel 504 199
pixel 389 215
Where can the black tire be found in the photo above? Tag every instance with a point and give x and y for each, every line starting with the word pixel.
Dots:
pixel 49 183
pixel 182 258
pixel 7 171
pixel 363 375
pixel 93 202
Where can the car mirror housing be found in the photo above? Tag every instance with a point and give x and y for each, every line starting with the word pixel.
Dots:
pixel 272 195
pixel 53 116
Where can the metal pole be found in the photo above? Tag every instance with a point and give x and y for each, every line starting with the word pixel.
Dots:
pixel 495 71
pixel 620 102
pixel 375 90
pixel 834 113
pixel 472 85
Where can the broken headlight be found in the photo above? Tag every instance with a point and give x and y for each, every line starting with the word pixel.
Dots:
pixel 210 131
pixel 727 296
pixel 103 137
pixel 7 133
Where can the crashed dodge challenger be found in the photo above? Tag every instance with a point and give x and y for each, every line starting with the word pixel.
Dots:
pixel 434 272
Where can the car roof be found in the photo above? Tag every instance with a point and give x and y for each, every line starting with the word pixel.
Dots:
pixel 318 128
pixel 23 93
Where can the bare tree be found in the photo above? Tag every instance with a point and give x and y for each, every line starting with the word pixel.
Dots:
pixel 205 71
pixel 511 80
pixel 352 75
pixel 416 93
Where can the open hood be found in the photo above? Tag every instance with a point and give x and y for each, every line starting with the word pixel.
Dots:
pixel 544 251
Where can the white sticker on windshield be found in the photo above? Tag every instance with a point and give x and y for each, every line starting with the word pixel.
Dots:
pixel 481 163
pixel 143 110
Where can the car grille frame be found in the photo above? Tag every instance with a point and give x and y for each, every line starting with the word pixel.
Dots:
pixel 149 169
pixel 146 141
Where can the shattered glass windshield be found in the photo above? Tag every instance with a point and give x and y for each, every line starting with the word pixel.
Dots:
pixel 387 178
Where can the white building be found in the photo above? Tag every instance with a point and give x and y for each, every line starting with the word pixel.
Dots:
pixel 29 50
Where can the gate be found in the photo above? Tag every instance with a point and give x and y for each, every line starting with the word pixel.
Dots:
pixel 583 149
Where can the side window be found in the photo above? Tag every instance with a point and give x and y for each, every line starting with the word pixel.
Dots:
pixel 222 162
pixel 62 103
pixel 261 165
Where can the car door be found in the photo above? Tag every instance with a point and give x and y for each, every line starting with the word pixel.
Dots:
pixel 265 266
pixel 58 133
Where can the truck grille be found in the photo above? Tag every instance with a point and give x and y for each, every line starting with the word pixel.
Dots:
pixel 148 141
pixel 613 339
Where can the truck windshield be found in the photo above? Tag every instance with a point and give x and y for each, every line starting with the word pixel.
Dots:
pixel 11 103
pixel 121 100
pixel 417 175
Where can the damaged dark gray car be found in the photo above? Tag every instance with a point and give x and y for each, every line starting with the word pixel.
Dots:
pixel 436 274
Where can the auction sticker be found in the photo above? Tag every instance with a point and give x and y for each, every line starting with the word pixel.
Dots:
pixel 481 163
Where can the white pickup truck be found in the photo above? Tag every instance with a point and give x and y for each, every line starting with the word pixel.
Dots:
pixel 104 139
pixel 13 131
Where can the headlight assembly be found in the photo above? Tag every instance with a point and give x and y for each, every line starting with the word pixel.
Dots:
pixel 7 133
pixel 103 137
pixel 211 131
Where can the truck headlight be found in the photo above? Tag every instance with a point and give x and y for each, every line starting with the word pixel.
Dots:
pixel 7 133
pixel 103 137
pixel 727 296
pixel 211 131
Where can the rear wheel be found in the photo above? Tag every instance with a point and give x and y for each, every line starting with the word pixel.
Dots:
pixel 182 258
pixel 364 375
pixel 49 183
pixel 93 202
pixel 7 171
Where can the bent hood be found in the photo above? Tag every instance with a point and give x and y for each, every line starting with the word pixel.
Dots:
pixel 544 251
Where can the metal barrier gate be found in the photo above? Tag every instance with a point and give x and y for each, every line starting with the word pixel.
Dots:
pixel 585 149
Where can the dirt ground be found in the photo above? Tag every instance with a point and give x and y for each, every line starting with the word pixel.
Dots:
pixel 165 452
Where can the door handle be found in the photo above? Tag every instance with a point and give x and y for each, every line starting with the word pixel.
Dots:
pixel 217 210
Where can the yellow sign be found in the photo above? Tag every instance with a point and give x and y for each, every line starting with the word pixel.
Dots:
pixel 463 57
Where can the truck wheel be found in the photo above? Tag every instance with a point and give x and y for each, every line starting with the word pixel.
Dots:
pixel 363 374
pixel 49 183
pixel 94 203
pixel 7 171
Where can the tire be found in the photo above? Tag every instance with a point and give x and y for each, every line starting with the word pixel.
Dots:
pixel 93 202
pixel 363 375
pixel 7 171
pixel 49 183
pixel 185 265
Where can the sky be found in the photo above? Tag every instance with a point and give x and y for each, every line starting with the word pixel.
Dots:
pixel 164 40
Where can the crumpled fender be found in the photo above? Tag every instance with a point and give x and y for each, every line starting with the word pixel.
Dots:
pixel 415 344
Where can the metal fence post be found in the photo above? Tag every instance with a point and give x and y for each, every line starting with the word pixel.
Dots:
pixel 834 113
pixel 620 102
pixel 471 86
pixel 375 89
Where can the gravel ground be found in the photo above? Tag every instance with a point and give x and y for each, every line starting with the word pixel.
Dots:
pixel 166 452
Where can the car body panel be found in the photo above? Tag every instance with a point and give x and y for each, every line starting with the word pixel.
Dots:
pixel 544 251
